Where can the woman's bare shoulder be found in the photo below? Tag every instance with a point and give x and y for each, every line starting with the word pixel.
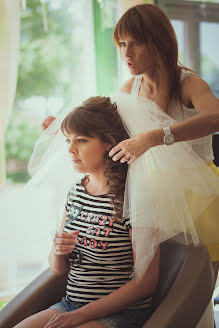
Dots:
pixel 196 93
pixel 192 85
pixel 127 86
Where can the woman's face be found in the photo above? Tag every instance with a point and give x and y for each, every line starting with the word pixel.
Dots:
pixel 87 153
pixel 136 55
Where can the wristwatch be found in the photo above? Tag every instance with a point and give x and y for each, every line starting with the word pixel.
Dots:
pixel 168 138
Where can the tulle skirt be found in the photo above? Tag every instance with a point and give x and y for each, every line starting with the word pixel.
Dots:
pixel 169 190
pixel 207 224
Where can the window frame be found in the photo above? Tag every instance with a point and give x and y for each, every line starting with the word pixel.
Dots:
pixel 192 13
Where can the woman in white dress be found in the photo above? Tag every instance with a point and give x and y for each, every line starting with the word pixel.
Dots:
pixel 148 45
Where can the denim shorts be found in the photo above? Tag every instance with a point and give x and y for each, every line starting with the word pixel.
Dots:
pixel 124 319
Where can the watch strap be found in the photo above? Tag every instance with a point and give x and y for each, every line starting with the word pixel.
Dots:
pixel 167 130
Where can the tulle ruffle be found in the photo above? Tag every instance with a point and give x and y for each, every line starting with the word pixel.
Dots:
pixel 159 188
pixel 161 184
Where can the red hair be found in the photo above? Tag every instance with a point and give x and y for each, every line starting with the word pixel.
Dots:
pixel 149 24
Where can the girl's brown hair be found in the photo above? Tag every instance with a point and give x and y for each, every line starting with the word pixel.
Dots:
pixel 98 117
pixel 148 24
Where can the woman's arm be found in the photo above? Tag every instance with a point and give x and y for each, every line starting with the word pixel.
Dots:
pixel 194 91
pixel 63 244
pixel 118 300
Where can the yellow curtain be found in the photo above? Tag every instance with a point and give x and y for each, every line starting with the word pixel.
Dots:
pixel 9 50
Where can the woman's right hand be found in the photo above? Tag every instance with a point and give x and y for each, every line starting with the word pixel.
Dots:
pixel 48 120
pixel 64 242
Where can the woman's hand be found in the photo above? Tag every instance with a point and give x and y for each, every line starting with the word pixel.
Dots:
pixel 48 120
pixel 64 242
pixel 64 320
pixel 130 149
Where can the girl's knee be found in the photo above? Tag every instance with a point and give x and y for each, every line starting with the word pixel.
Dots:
pixel 38 320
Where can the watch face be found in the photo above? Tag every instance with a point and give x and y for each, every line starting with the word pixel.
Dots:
pixel 169 139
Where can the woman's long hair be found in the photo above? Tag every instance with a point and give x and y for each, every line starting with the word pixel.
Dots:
pixel 148 24
pixel 98 117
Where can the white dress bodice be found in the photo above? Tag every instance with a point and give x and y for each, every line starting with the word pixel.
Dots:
pixel 201 146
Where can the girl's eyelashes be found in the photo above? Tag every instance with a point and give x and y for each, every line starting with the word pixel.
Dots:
pixel 80 140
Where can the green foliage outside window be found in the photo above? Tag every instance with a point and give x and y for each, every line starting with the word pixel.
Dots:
pixel 20 138
pixel 46 69
pixel 42 54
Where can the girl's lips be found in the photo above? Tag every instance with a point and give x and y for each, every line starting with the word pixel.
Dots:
pixel 75 160
pixel 130 65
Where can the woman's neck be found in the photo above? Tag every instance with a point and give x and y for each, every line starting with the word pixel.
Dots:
pixel 96 184
pixel 154 88
pixel 149 84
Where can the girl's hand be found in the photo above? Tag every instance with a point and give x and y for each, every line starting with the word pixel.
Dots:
pixel 48 120
pixel 64 243
pixel 64 320
pixel 130 149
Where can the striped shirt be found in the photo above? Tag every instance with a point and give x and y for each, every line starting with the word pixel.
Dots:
pixel 102 260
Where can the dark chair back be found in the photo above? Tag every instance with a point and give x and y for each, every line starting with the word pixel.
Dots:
pixel 186 284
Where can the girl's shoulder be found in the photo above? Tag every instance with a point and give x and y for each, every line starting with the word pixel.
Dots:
pixel 127 86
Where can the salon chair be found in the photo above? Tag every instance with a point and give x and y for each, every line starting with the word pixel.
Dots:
pixel 184 290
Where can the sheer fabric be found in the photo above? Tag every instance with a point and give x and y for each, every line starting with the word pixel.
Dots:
pixel 160 183
pixel 158 188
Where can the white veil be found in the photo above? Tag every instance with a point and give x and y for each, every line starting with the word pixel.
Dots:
pixel 31 214
pixel 159 183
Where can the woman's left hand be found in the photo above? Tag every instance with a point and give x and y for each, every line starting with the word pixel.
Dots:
pixel 61 320
pixel 130 149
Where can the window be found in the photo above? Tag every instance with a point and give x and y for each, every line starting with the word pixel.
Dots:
pixel 197 25
pixel 209 49
pixel 178 26
pixel 57 67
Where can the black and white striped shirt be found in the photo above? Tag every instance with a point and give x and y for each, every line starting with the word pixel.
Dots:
pixel 102 261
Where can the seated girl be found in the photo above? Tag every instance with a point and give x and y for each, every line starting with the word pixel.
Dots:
pixel 94 243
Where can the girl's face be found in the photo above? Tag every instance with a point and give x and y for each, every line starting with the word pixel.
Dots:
pixel 87 153
pixel 136 55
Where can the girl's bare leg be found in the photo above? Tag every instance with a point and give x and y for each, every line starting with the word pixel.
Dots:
pixel 38 320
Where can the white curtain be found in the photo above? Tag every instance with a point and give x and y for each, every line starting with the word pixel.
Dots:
pixel 9 57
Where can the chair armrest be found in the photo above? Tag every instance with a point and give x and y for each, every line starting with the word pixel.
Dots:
pixel 190 294
pixel 41 293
